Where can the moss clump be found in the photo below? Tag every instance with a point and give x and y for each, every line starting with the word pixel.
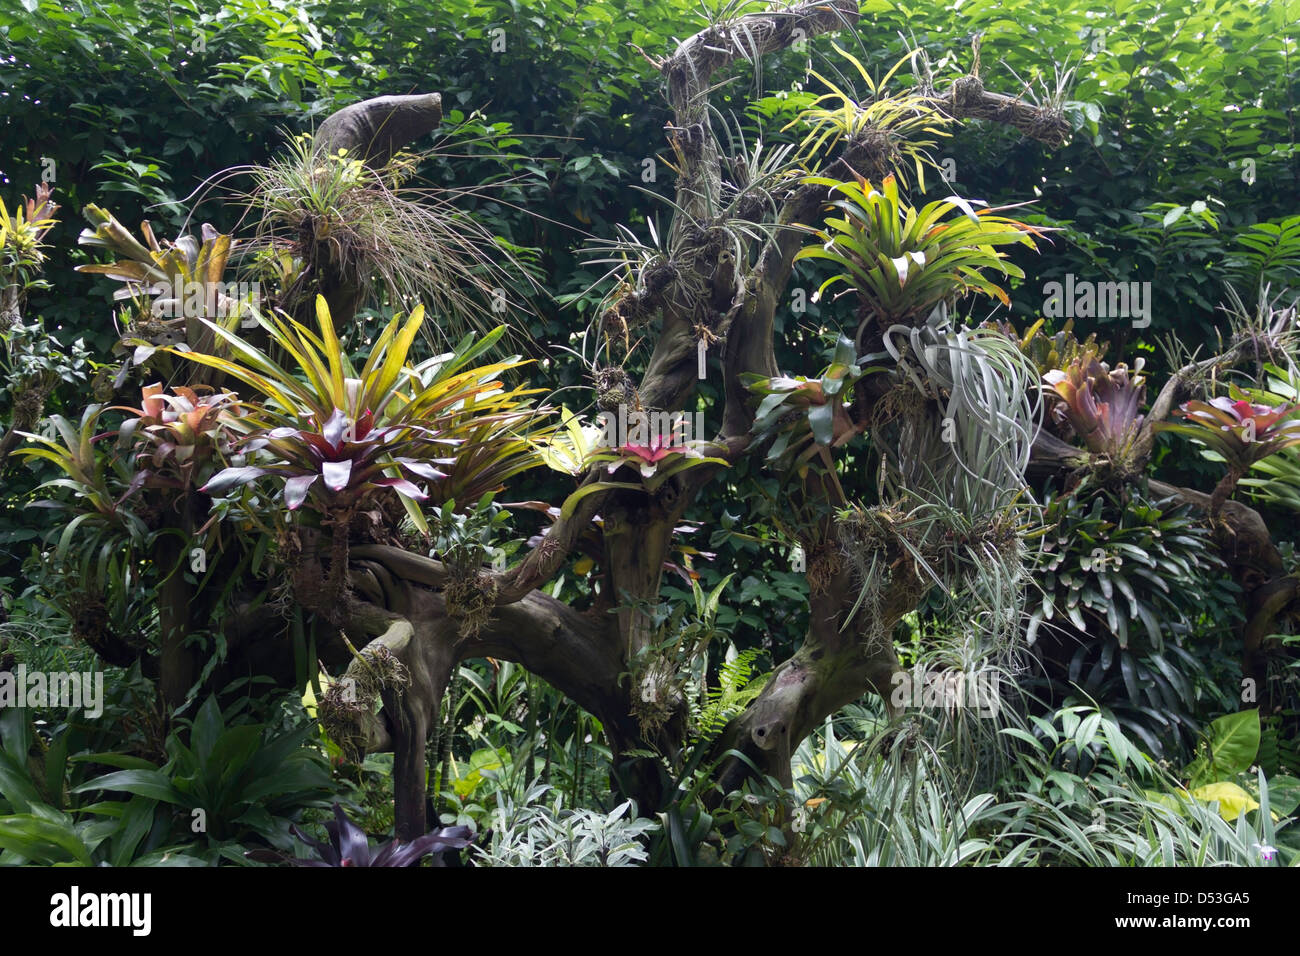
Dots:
pixel 470 600
pixel 349 702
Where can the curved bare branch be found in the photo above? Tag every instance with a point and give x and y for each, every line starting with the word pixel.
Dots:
pixel 376 128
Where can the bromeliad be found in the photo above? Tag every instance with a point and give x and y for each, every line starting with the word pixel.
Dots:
pixel 335 435
pixel 1239 431
pixel 1100 404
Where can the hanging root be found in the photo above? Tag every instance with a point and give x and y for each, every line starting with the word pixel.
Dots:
pixel 824 565
pixel 347 709
pixel 471 600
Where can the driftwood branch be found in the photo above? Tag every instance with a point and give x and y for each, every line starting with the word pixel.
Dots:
pixel 586 656
pixel 375 129
pixel 967 99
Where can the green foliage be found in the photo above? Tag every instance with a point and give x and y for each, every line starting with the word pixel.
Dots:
pixel 333 215
pixel 33 359
pixel 102 537
pixel 1182 172
pixel 1225 772
pixel 969 449
pixel 1125 581
pixel 510 731
pixel 248 780
pixel 675 664
pixel 1268 254
pixel 234 783
pixel 737 685
pixel 861 805
pixel 902 261
pixel 536 833
pixel 1110 817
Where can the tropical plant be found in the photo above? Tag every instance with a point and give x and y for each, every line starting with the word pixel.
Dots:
pixel 1239 431
pixel 349 846
pixel 335 436
pixel 514 731
pixel 892 123
pixel 99 540
pixel 35 361
pixel 969 415
pixel 538 831
pixel 1125 811
pixel 661 457
pixel 1227 750
pixel 943 518
pixel 1101 405
pixel 178 438
pixel 173 286
pixel 335 215
pixel 1125 582
pixel 1051 351
pixel 737 684
pixel 570 448
pixel 236 783
pixel 820 402
pixel 22 252
pixel 1276 479
pixel 903 261
pixel 889 802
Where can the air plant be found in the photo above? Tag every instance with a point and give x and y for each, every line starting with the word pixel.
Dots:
pixel 968 416
pixel 697 265
pixel 349 846
pixel 1101 405
pixel 338 216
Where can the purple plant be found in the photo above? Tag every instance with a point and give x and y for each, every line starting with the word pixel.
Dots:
pixel 349 846
pixel 1101 405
